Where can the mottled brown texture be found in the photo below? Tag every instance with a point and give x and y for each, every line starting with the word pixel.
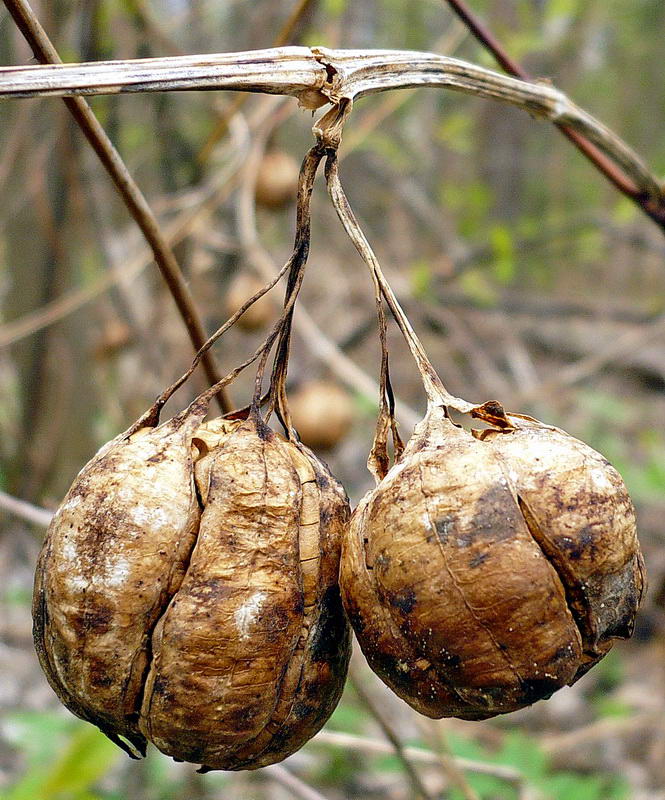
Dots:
pixel 482 574
pixel 187 593
pixel 115 553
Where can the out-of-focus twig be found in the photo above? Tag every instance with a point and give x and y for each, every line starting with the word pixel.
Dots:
pixel 653 207
pixel 367 745
pixel 283 37
pixel 295 785
pixel 397 745
pixel 132 196
pixel 174 232
pixel 24 510
pixel 593 363
pixel 435 734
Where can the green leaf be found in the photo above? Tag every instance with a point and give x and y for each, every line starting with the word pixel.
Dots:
pixel 421 279
pixel 87 758
pixel 504 254
pixel 478 288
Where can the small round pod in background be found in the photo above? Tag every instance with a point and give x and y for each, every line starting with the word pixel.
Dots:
pixel 322 413
pixel 479 574
pixel 277 180
pixel 259 314
pixel 250 657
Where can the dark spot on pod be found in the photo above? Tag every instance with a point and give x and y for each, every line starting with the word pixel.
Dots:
pixel 534 689
pixel 496 517
pixel 330 627
pixel 94 619
pixel 303 710
pixel 478 559
pixel 98 674
pixel 322 480
pixel 404 600
pixel 444 527
pixel 387 667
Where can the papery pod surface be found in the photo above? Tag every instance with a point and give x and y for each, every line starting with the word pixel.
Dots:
pixel 483 573
pixel 187 593
pixel 114 555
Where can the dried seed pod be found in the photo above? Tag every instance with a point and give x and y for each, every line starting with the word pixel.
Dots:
pixel 483 573
pixel 259 314
pixel 187 593
pixel 277 180
pixel 114 555
pixel 250 657
pixel 322 413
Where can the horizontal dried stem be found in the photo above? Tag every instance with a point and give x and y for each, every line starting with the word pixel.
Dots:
pixel 319 75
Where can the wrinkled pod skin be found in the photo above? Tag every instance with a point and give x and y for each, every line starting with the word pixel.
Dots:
pixel 187 593
pixel 483 574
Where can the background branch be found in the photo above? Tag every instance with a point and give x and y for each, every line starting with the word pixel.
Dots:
pixel 132 196
pixel 653 207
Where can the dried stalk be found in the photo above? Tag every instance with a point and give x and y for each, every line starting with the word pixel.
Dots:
pixel 24 510
pixel 132 196
pixel 418 754
pixel 296 786
pixel 317 76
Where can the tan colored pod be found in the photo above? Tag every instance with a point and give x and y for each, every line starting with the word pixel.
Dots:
pixel 114 555
pixel 322 413
pixel 249 659
pixel 187 593
pixel 471 591
pixel 277 180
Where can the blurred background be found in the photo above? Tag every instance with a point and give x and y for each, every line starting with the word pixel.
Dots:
pixel 529 278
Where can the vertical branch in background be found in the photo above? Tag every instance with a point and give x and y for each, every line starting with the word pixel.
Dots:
pixel 653 209
pixel 416 781
pixel 285 36
pixel 127 188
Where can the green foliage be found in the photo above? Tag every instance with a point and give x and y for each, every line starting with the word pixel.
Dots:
pixel 504 254
pixel 524 754
pixel 421 279
pixel 640 460
pixel 65 758
pixel 334 8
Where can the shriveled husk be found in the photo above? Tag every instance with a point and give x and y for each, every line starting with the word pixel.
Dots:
pixel 485 572
pixel 250 657
pixel 187 592
pixel 114 555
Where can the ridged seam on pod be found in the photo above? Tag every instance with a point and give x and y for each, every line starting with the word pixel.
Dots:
pixel 196 604
pixel 482 574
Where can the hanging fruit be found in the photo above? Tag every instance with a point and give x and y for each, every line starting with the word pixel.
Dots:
pixel 277 180
pixel 487 569
pixel 187 591
pixel 260 313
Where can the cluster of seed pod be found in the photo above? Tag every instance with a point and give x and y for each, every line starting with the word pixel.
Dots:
pixel 192 585
pixel 187 593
